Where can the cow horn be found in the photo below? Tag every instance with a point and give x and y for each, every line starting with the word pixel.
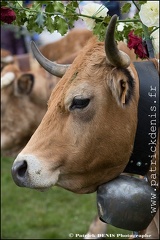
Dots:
pixel 115 57
pixel 53 68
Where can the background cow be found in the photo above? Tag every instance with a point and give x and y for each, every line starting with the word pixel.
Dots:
pixel 24 97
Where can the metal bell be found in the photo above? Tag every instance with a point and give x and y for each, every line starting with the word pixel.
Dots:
pixel 127 202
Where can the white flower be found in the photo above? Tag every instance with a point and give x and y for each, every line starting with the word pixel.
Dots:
pixel 155 41
pixel 120 26
pixel 149 13
pixel 93 9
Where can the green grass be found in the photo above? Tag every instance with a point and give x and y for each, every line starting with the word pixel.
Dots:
pixel 29 214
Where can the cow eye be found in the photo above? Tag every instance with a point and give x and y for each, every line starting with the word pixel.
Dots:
pixel 79 103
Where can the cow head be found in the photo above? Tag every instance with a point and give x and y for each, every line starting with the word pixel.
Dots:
pixel 87 134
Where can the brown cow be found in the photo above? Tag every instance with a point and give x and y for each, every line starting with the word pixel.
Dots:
pixel 87 135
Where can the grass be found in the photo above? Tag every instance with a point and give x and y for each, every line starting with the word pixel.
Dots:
pixel 29 214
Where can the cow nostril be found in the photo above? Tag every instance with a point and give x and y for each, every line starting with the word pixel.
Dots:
pixel 22 169
pixel 19 171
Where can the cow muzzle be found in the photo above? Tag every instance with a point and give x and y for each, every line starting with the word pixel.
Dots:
pixel 127 202
pixel 31 172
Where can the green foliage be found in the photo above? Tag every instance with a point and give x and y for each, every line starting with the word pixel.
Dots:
pixel 49 8
pixel 54 7
pixel 3 3
pixel 59 7
pixel 126 7
pixel 50 24
pixel 141 2
pixel 61 25
pixel 100 28
pixel 138 32
pixel 40 15
pixel 70 13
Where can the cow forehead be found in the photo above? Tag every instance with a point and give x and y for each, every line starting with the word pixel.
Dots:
pixel 81 73
pixel 77 85
pixel 81 90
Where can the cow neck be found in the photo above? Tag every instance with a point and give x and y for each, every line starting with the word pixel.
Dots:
pixel 148 119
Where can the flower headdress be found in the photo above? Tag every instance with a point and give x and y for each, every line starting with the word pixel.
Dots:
pixel 140 32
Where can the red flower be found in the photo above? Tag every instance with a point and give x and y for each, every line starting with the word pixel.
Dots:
pixel 7 15
pixel 140 47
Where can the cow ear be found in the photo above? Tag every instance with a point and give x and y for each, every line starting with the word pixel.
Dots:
pixel 24 84
pixel 121 84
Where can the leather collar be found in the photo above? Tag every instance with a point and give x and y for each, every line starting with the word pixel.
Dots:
pixel 148 119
